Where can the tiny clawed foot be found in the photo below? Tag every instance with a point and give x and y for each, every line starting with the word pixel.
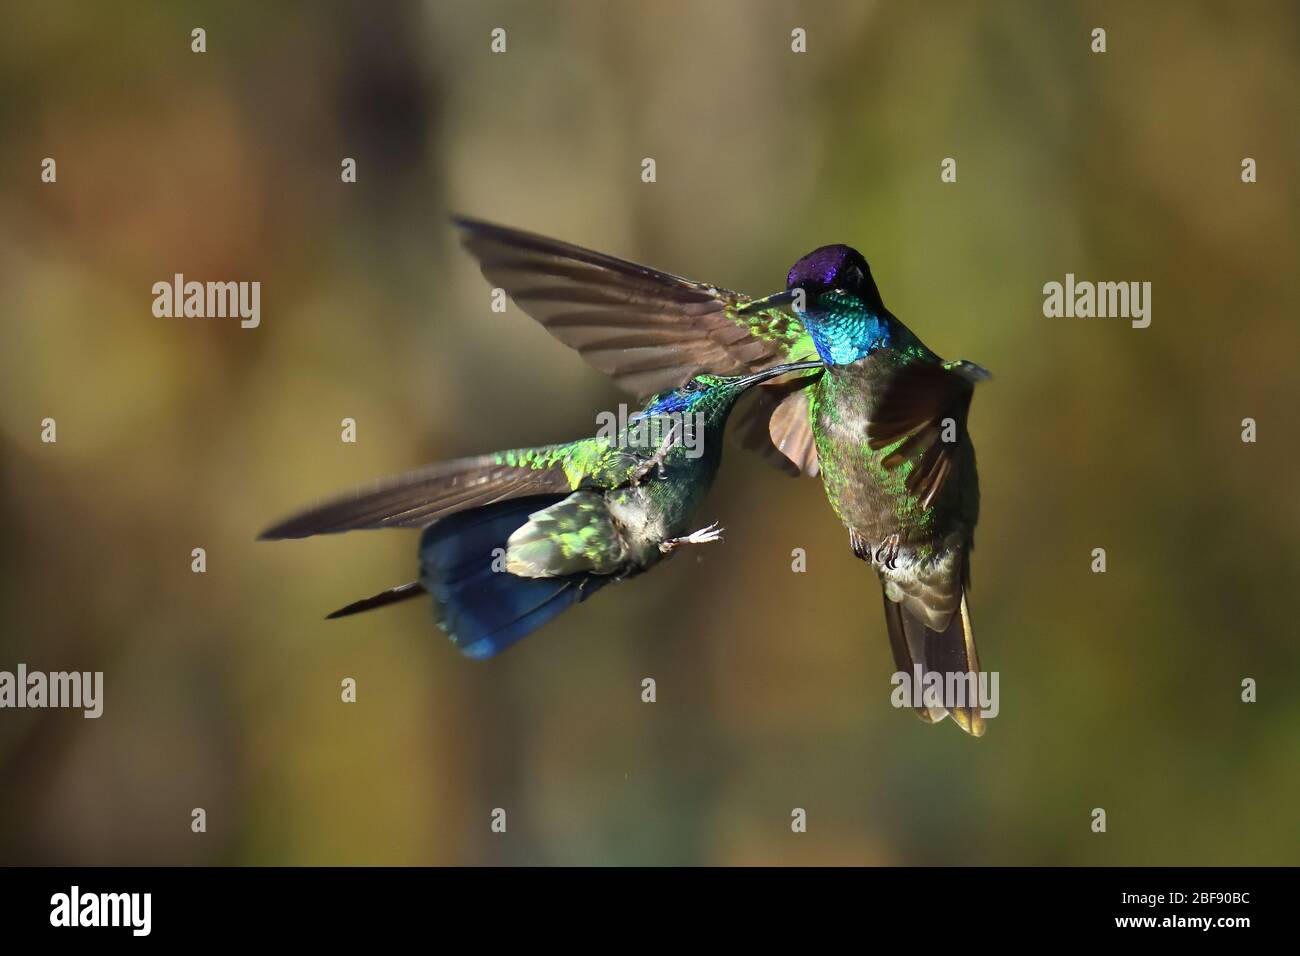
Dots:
pixel 887 553
pixel 703 536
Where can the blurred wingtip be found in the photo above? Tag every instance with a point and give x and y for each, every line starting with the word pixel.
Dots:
pixel 281 530
pixel 471 223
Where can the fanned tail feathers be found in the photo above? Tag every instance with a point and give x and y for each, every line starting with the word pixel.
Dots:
pixel 482 609
pixel 949 651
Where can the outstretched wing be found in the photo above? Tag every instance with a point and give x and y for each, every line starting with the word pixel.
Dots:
pixel 419 498
pixel 649 330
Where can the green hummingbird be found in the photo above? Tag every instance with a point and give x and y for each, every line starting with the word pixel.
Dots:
pixel 884 424
pixel 513 538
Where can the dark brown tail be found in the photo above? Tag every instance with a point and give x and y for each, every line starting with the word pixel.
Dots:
pixel 951 650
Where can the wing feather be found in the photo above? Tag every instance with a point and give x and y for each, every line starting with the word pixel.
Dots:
pixel 419 498
pixel 918 400
pixel 649 330
pixel 775 424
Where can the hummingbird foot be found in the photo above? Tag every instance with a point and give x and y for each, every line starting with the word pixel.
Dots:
pixel 657 459
pixel 861 549
pixel 887 553
pixel 703 536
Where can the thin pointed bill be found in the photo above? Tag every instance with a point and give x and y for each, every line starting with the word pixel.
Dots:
pixel 777 370
pixel 778 300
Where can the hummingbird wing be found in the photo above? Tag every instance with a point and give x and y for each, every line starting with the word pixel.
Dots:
pixel 775 423
pixel 419 498
pixel 649 330
pixel 920 403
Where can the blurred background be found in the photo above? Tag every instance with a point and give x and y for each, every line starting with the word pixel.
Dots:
pixel 1118 690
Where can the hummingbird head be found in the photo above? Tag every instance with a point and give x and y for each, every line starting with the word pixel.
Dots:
pixel 835 269
pixel 714 395
pixel 832 293
pixel 693 415
pixel 684 398
pixel 842 309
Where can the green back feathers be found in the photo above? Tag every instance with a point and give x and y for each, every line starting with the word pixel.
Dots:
pixel 584 462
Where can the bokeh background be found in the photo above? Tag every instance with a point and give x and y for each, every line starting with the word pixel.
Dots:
pixel 1119 691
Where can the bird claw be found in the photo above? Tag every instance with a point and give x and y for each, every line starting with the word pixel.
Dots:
pixel 861 548
pixel 655 463
pixel 887 553
pixel 702 536
pixel 705 535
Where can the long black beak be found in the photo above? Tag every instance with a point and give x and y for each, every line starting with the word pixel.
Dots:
pixel 773 301
pixel 775 371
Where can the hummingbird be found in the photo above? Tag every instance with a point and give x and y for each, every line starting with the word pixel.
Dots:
pixel 513 538
pixel 883 424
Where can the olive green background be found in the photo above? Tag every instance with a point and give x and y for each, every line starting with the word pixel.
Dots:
pixel 1118 690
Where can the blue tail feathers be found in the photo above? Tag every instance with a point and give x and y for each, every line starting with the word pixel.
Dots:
pixel 485 611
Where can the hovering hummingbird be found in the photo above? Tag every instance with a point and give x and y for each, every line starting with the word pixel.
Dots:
pixel 512 539
pixel 884 424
